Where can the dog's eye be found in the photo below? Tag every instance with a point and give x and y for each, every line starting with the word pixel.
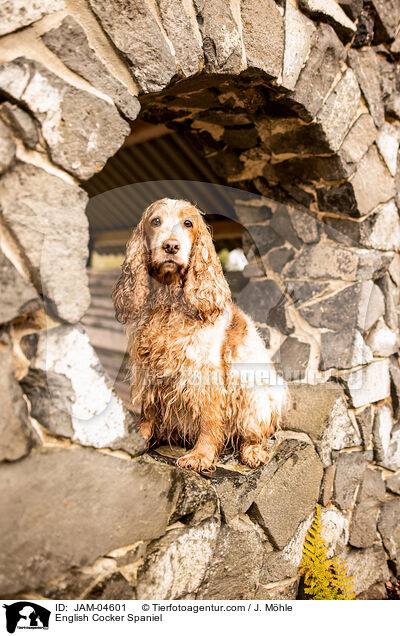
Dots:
pixel 156 222
pixel 188 223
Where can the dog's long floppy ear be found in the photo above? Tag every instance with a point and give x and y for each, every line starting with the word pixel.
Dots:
pixel 205 289
pixel 132 287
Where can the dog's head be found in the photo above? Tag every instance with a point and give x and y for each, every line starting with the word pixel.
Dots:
pixel 171 247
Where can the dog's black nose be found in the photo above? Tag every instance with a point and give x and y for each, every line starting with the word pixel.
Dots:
pixel 171 246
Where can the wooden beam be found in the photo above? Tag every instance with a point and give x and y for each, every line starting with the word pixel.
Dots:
pixel 142 131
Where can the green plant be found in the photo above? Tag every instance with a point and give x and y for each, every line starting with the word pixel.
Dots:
pixel 324 578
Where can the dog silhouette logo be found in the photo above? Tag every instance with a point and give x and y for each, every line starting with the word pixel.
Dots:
pixel 26 615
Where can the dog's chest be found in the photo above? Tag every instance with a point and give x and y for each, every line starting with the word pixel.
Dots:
pixel 174 343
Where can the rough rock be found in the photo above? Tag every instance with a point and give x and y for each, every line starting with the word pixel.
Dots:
pixel 265 303
pixel 369 498
pixel 388 145
pixel 74 398
pixel 81 145
pixel 222 44
pixel 381 340
pixel 393 484
pixel 365 420
pixel 124 501
pixel 135 32
pixel 284 590
pixel 365 65
pixel 338 111
pixel 364 305
pixel 114 585
pixel 343 349
pixel 235 565
pixel 335 530
pixel 352 8
pixel 17 294
pixel 292 358
pixel 279 256
pixel 394 369
pixel 383 423
pixel 16 14
pixel 391 293
pixel 261 238
pixel 176 564
pixel 368 384
pixel 253 211
pixel 257 20
pixel 54 243
pixel 289 497
pixel 17 437
pixel 337 262
pixel 388 14
pixel 307 228
pixel 322 65
pixel 311 408
pixel 338 434
pixel 327 485
pixel 371 170
pixel 301 291
pixel 283 564
pixel 21 124
pixel 7 148
pixel 299 38
pixel 69 42
pixel 197 497
pixel 350 468
pixel 182 31
pixel 281 223
pixel 380 230
pixel 329 11
pixel 359 138
pixel 366 567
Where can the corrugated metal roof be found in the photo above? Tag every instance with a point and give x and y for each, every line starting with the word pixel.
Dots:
pixel 139 174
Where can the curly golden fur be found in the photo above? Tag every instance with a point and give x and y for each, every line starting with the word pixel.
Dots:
pixel 198 365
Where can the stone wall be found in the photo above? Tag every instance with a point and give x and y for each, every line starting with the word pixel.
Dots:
pixel 298 104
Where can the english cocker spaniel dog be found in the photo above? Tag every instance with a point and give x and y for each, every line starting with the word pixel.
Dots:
pixel 198 365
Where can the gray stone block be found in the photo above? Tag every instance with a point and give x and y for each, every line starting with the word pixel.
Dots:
pixel 365 420
pixel 17 294
pixel 133 29
pixel 234 569
pixel 343 350
pixel 290 496
pixel 350 469
pixel 21 124
pixel 72 397
pixel 259 19
pixel 69 42
pixel 388 15
pixel 338 111
pixel 182 32
pixel 7 148
pixel 372 170
pixel 322 66
pixel 337 262
pixel 266 304
pixel 365 65
pixel 329 11
pixel 359 138
pixel 16 435
pixel 177 563
pixel 222 43
pixel 393 484
pixel 367 567
pixel 389 528
pixel 19 13
pixel 369 499
pixel 86 503
pixel 300 35
pixel 79 144
pixel 368 384
pixel 292 358
pixel 54 243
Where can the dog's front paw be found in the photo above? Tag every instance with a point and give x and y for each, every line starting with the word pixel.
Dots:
pixel 196 461
pixel 254 455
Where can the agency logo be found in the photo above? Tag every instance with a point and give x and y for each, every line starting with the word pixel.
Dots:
pixel 26 615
